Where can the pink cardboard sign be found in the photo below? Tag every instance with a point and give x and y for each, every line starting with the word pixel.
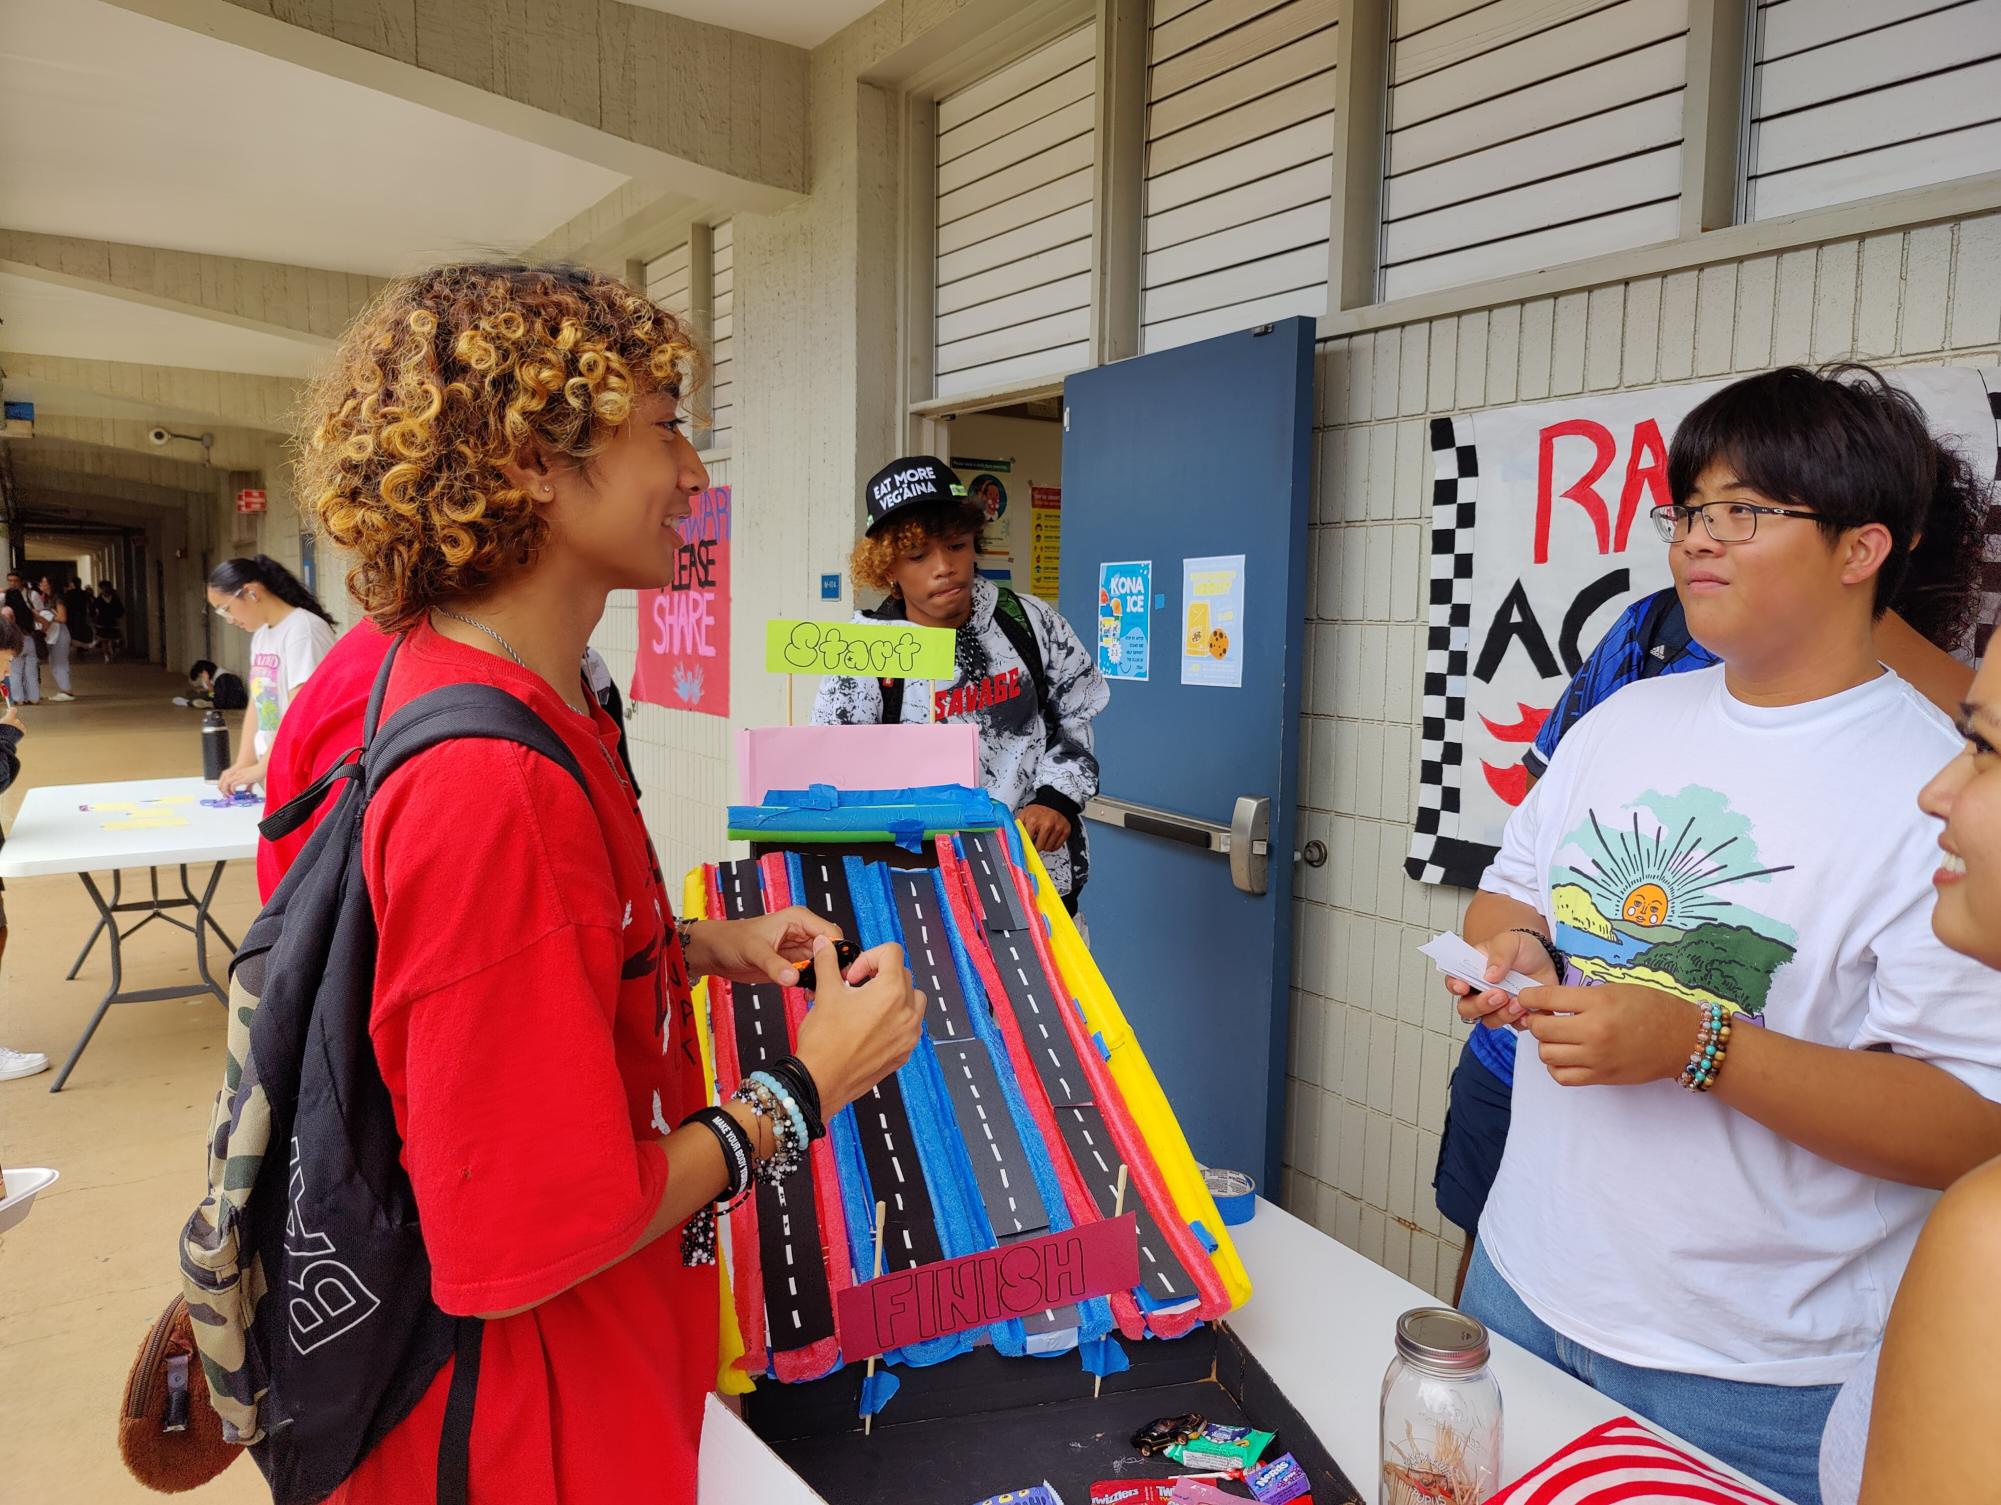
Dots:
pixel 856 757
pixel 1031 1275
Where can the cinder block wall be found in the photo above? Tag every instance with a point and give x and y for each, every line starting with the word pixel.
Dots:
pixel 1374 1037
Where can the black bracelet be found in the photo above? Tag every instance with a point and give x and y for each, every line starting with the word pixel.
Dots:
pixel 739 1152
pixel 805 1091
pixel 1556 958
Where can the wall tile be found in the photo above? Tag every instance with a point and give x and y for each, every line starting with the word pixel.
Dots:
pixel 1792 322
pixel 1641 346
pixel 1715 313
pixel 1504 344
pixel 1976 288
pixel 1538 320
pixel 1604 331
pixel 1361 378
pixel 1757 298
pixel 1879 307
pixel 1472 361
pixel 1376 1160
pixel 1566 366
pixel 1834 302
pixel 1677 362
pixel 1927 284
pixel 1389 370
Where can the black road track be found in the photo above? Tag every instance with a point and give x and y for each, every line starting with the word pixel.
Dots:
pixel 797 1308
pixel 1077 1116
pixel 889 1145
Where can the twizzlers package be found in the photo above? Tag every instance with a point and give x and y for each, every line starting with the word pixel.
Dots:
pixel 1131 1492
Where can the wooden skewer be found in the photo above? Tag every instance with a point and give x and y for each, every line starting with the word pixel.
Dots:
pixel 788 701
pixel 1118 1210
pixel 881 1212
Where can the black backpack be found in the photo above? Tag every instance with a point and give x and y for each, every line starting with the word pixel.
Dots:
pixel 304 1268
pixel 1012 619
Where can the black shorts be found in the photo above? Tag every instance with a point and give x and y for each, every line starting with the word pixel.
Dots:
pixel 1470 1145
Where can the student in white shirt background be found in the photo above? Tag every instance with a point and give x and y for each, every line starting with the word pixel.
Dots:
pixel 290 632
pixel 1745 837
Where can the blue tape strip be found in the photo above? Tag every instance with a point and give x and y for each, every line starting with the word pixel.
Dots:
pixel 823 809
pixel 1208 1239
pixel 877 1390
pixel 1098 1039
pixel 1103 1356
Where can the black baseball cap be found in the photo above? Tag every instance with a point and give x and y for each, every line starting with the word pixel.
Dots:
pixel 913 481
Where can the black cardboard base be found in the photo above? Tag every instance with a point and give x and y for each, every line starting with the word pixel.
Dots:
pixel 961 1431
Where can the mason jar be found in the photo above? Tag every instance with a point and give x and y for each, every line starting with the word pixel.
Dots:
pixel 1441 1412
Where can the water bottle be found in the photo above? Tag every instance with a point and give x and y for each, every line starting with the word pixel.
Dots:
pixel 214 744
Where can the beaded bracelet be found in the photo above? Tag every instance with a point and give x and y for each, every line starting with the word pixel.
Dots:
pixel 805 1091
pixel 1712 1044
pixel 788 1135
pixel 788 1104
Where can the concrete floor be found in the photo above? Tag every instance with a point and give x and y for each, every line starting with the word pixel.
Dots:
pixel 95 1261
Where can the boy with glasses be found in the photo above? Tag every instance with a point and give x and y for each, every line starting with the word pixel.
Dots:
pixel 1719 887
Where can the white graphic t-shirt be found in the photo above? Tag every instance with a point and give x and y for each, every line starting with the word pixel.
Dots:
pixel 1773 859
pixel 283 657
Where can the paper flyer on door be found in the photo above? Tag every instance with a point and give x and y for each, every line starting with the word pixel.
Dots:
pixel 1212 625
pixel 1125 619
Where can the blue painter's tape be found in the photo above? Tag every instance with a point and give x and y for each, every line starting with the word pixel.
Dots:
pixel 1103 1356
pixel 1208 1239
pixel 1098 1039
pixel 877 1390
pixel 1236 1195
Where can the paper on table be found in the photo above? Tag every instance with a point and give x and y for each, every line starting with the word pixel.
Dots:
pixel 146 823
pixel 171 799
pixel 1455 958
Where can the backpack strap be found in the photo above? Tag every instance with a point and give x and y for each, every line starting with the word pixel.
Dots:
pixel 455 712
pixel 891 610
pixel 455 1441
pixel 296 811
pixel 1663 633
pixel 1012 619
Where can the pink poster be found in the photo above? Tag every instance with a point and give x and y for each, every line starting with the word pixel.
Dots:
pixel 684 630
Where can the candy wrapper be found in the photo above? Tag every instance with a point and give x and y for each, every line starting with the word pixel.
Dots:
pixel 1278 1481
pixel 1217 1447
pixel 1035 1494
pixel 1131 1492
pixel 1201 1492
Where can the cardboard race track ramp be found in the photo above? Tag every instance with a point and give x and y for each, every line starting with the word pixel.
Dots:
pixel 1003 1136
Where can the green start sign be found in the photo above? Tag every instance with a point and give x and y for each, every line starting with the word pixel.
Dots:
pixel 873 650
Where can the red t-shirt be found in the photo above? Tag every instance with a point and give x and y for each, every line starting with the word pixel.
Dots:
pixel 533 1023
pixel 322 722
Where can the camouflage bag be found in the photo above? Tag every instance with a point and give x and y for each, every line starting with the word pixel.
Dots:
pixel 304 1267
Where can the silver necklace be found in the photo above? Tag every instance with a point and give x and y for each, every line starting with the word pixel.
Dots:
pixel 507 647
pixel 446 611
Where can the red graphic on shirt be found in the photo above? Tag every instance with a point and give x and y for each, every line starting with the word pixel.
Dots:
pixel 963 700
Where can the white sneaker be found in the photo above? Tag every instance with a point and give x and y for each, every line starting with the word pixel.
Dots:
pixel 182 700
pixel 20 1063
pixel 62 695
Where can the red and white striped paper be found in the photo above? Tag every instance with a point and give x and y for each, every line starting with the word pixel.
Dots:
pixel 1624 1463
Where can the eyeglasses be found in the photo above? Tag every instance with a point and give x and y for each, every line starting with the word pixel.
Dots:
pixel 1726 522
pixel 223 611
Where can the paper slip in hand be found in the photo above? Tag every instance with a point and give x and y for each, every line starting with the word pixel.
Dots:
pixel 1455 958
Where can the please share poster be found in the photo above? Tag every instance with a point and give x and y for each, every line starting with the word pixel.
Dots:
pixel 1212 632
pixel 1125 619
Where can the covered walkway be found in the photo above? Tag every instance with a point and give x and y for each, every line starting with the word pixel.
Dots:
pixel 94 1262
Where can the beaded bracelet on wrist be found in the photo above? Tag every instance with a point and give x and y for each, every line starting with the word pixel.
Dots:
pixel 788 1135
pixel 1712 1044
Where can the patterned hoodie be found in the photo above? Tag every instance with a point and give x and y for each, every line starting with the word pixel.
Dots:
pixel 1021 764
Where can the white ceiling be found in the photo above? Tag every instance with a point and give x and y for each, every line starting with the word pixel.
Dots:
pixel 123 128
pixel 41 318
pixel 803 23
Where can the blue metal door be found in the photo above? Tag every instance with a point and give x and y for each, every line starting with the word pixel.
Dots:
pixel 1189 454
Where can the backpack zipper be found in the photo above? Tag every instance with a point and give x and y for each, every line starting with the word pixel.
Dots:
pixel 149 1358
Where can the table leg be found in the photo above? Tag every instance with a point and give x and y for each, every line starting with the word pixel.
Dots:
pixel 107 921
pixel 203 923
pixel 117 893
pixel 205 914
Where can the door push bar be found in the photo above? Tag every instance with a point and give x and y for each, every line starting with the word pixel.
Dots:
pixel 1245 840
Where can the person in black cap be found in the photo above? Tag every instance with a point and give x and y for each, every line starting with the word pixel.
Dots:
pixel 1023 677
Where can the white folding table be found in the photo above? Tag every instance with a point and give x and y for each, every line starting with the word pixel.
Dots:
pixel 150 823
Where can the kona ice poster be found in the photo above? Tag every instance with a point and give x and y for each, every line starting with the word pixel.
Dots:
pixel 684 630
pixel 1125 619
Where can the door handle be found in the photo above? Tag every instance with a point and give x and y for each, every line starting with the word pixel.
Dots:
pixel 1245 841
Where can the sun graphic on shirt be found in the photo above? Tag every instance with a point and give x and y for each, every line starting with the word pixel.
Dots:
pixel 1646 905
pixel 1661 879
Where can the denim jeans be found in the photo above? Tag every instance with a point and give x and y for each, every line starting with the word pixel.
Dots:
pixel 1769 1432
pixel 24 679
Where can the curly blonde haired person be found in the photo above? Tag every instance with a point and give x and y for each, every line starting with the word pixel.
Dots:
pixel 874 561
pixel 502 448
